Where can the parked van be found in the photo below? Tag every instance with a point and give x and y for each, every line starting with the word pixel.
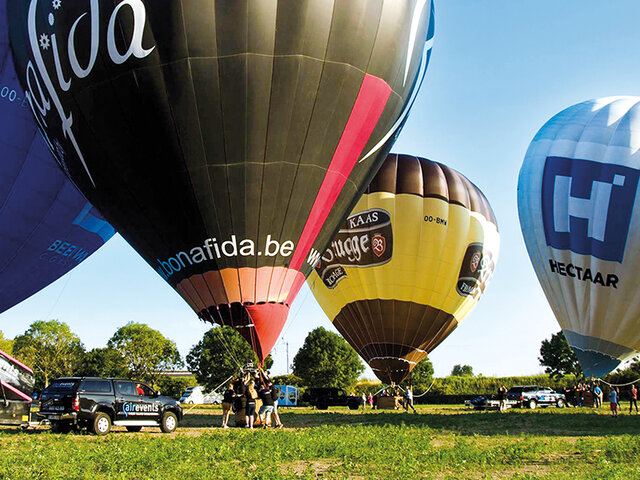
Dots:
pixel 198 396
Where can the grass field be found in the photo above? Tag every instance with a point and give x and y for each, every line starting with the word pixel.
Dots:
pixel 442 442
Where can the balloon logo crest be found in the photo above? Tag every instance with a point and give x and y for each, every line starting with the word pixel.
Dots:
pixel 587 206
pixel 379 244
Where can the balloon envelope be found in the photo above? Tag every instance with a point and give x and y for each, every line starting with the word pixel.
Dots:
pixel 579 217
pixel 409 263
pixel 219 137
pixel 46 226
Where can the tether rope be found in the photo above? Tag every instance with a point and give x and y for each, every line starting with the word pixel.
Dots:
pixel 618 384
pixel 425 392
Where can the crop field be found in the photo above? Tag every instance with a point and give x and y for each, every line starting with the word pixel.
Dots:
pixel 441 442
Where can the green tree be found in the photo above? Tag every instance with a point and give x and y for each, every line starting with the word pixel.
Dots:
pixel 6 345
pixel 146 352
pixel 50 349
pixel 104 362
pixel 219 355
pixel 327 360
pixel 462 371
pixel 627 375
pixel 289 379
pixel 558 358
pixel 174 387
pixel 421 376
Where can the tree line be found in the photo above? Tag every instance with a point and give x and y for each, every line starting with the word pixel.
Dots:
pixel 139 352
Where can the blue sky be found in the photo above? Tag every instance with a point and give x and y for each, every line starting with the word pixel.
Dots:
pixel 499 70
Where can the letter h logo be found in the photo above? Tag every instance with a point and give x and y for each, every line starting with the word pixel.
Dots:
pixel 587 206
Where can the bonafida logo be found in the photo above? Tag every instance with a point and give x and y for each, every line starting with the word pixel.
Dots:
pixel 56 64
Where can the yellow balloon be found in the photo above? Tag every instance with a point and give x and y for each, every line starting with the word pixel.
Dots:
pixel 409 263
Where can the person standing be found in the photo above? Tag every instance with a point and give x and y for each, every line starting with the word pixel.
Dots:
pixel 227 403
pixel 580 394
pixel 370 400
pixel 502 398
pixel 408 400
pixel 250 405
pixel 597 396
pixel 275 395
pixel 267 405
pixel 613 401
pixel 633 398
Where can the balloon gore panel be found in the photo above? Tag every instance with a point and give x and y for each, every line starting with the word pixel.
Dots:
pixel 46 226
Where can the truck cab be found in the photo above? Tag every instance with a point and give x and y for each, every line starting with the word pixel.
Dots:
pixel 98 403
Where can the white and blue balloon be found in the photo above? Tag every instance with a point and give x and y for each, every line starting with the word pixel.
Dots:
pixel 580 217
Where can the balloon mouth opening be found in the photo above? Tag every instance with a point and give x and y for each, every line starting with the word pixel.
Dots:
pixel 595 364
pixel 259 323
pixel 390 370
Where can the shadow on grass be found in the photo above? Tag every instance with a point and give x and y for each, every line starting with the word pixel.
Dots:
pixel 455 420
pixel 439 419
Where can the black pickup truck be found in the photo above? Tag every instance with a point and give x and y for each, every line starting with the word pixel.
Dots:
pixel 98 403
pixel 323 398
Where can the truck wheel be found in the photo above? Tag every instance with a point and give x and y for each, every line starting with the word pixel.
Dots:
pixel 169 422
pixel 533 404
pixel 101 424
pixel 560 403
pixel 133 429
pixel 322 405
pixel 354 406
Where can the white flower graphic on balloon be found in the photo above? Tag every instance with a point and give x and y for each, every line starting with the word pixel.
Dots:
pixel 44 41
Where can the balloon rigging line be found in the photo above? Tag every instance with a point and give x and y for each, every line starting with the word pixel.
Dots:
pixel 212 391
pixel 64 287
pixel 293 318
pixel 227 347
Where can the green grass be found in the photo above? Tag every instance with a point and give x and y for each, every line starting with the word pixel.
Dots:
pixel 440 443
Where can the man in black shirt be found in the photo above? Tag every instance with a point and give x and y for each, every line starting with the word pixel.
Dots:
pixel 267 405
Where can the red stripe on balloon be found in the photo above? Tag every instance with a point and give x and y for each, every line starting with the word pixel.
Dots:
pixel 367 109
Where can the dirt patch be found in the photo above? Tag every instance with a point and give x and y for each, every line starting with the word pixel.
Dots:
pixel 439 442
pixel 318 467
pixel 534 470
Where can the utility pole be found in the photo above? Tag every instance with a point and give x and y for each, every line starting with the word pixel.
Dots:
pixel 287 344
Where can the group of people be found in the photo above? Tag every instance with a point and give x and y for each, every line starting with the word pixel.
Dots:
pixel 406 401
pixel 243 394
pixel 614 400
pixel 578 395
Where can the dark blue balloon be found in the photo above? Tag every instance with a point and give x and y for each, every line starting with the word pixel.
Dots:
pixel 46 226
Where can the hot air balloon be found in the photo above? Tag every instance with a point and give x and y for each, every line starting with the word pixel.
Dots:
pixel 220 137
pixel 408 264
pixel 46 226
pixel 579 217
